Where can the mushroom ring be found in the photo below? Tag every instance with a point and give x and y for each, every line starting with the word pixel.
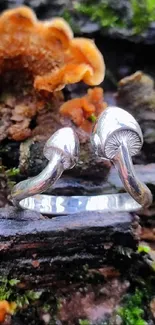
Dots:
pixel 116 137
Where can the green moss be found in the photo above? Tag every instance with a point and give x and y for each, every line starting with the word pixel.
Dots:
pixel 92 118
pixel 6 288
pixel 100 13
pixel 28 297
pixel 143 249
pixel 12 172
pixel 9 175
pixel 132 312
pixel 84 322
pixel 143 13
pixel 10 291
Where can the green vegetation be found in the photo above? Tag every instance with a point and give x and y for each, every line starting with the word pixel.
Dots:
pixel 84 322
pixel 143 13
pixel 9 175
pixel 12 172
pixel 143 249
pixel 92 118
pixel 28 297
pixel 10 291
pixel 6 288
pixel 132 312
pixel 100 12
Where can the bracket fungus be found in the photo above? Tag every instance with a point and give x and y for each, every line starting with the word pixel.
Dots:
pixel 84 111
pixel 47 50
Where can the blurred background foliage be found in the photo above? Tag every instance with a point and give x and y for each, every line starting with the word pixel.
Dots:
pixel 135 15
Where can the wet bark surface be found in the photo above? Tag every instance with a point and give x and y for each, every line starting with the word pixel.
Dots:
pixel 62 243
pixel 80 238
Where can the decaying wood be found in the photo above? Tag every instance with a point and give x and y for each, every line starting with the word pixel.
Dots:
pixel 29 157
pixel 63 243
pixel 31 243
pixel 136 94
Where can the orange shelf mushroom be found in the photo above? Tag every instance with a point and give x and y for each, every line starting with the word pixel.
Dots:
pixel 47 50
pixel 85 110
pixel 6 308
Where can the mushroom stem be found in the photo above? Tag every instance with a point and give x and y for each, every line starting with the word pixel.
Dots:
pixel 38 184
pixel 62 150
pixel 123 163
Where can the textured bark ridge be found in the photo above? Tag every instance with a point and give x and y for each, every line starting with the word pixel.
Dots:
pixel 29 156
pixel 77 261
pixel 69 242
pixel 62 243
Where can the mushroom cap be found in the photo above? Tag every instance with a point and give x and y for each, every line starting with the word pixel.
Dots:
pixel 114 126
pixel 61 25
pixel 59 28
pixel 21 15
pixel 87 52
pixel 66 143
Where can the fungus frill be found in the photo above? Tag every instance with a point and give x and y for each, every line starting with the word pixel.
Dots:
pixel 85 110
pixel 47 50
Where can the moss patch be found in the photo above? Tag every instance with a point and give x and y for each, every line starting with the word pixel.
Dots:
pixel 9 175
pixel 132 313
pixel 101 13
pixel 142 14
pixel 10 291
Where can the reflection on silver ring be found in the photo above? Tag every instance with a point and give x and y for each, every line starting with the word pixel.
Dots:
pixel 116 137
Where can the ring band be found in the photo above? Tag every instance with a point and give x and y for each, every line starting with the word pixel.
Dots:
pixel 65 205
pixel 116 137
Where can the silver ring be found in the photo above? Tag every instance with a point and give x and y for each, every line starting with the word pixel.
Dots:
pixel 116 137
